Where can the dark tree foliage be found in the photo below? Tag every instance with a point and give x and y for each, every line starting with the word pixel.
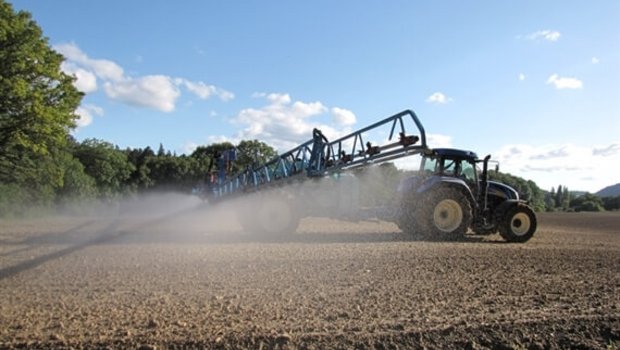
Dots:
pixel 163 171
pixel 559 196
pixel 174 173
pixel 587 202
pixel 37 102
pixel 250 153
pixel 140 178
pixel 106 164
pixel 254 152
pixel 210 150
pixel 611 203
pixel 37 111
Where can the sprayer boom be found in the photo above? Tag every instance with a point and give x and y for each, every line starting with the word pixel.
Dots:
pixel 319 157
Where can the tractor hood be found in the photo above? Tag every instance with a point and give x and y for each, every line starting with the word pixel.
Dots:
pixel 501 190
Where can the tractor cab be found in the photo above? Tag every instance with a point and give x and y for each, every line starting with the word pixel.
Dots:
pixel 451 164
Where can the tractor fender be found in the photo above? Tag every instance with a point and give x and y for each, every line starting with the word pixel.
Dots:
pixel 435 182
pixel 505 206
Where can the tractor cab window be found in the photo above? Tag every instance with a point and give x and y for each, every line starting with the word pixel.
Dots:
pixel 449 167
pixel 429 165
pixel 468 171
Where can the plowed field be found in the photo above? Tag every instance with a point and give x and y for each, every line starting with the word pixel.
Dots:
pixel 196 280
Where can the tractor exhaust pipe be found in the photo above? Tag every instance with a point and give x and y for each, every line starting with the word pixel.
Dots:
pixel 484 184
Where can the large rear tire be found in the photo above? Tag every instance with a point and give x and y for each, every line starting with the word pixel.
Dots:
pixel 518 223
pixel 408 219
pixel 444 214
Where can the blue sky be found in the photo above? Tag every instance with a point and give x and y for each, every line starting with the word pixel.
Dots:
pixel 534 83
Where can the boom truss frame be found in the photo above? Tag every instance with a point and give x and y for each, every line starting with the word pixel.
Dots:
pixel 319 157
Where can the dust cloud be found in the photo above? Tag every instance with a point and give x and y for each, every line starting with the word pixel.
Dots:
pixel 274 212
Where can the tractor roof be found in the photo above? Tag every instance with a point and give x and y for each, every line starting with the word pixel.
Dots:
pixel 452 152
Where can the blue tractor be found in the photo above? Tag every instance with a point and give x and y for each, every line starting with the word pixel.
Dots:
pixel 448 195
pixel 451 193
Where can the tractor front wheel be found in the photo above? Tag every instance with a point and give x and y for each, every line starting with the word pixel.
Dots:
pixel 518 224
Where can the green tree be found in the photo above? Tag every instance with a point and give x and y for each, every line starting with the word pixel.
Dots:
pixel 611 203
pixel 175 173
pixel 253 153
pixel 558 197
pixel 212 149
pixel 37 105
pixel 587 202
pixel 77 186
pixel 566 198
pixel 140 178
pixel 106 164
pixel 207 154
pixel 550 200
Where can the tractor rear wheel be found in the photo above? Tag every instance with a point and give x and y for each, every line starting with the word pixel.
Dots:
pixel 518 223
pixel 445 214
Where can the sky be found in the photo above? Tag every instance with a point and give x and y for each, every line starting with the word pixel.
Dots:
pixel 536 84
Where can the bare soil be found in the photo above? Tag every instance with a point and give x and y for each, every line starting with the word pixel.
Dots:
pixel 195 280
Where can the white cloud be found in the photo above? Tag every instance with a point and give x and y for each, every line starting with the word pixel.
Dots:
pixel 343 116
pixel 564 82
pixel 279 99
pixel 284 123
pixel 153 91
pixel 205 91
pixel 580 167
pixel 438 141
pixel 159 92
pixel 433 141
pixel 86 114
pixel 611 150
pixel 189 147
pixel 104 69
pixel 549 35
pixel 551 154
pixel 521 77
pixel 85 81
pixel 595 60
pixel 438 98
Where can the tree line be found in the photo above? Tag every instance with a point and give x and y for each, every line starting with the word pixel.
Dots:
pixel 564 200
pixel 96 170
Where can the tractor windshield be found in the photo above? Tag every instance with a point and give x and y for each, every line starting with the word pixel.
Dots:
pixel 453 167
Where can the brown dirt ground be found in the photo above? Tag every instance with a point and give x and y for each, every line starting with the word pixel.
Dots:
pixel 194 281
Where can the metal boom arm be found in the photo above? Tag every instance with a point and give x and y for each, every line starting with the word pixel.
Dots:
pixel 319 157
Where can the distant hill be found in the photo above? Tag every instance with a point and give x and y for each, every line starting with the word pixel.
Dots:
pixel 609 191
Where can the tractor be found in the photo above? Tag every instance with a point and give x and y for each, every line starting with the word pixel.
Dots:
pixel 450 194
